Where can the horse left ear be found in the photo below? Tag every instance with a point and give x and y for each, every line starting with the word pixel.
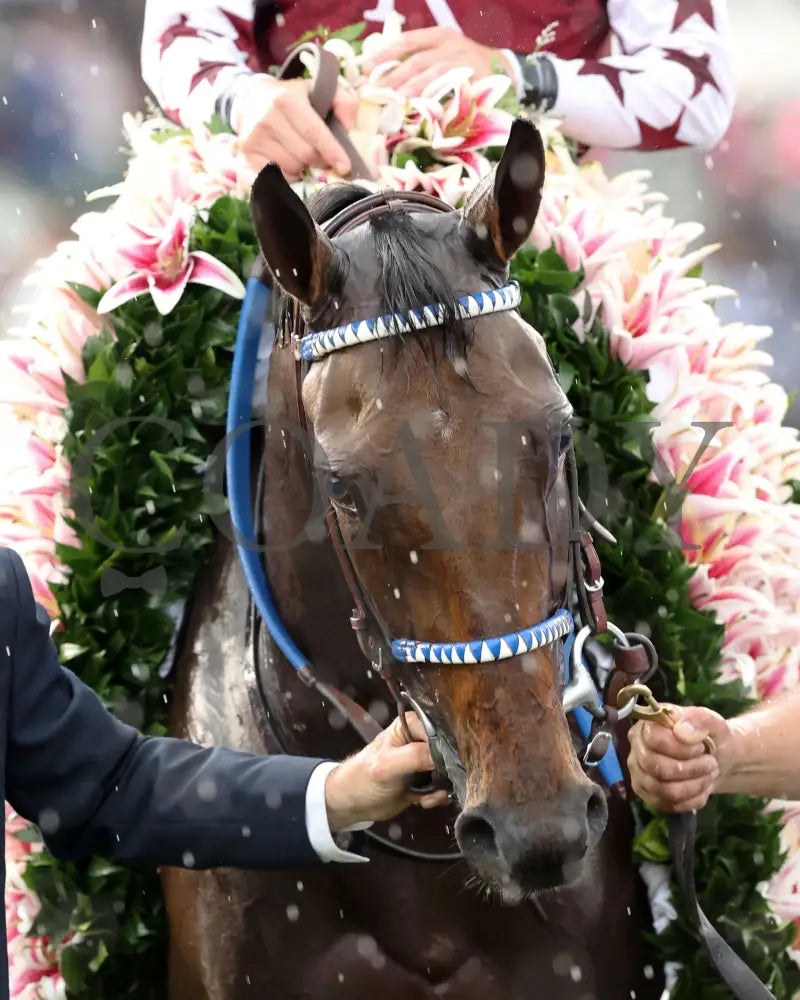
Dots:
pixel 502 209
pixel 297 252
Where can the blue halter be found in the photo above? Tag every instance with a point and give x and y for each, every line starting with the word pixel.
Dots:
pixel 239 421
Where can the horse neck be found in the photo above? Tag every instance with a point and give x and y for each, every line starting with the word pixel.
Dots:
pixel 305 576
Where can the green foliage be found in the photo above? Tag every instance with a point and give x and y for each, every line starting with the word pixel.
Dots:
pixel 141 429
pixel 351 34
pixel 647 587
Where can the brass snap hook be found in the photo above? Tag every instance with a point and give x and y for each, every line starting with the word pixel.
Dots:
pixel 652 710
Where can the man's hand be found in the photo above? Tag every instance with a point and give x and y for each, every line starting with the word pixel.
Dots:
pixel 276 124
pixel 427 53
pixel 671 769
pixel 369 786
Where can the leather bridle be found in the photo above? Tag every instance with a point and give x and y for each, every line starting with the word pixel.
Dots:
pixel 584 577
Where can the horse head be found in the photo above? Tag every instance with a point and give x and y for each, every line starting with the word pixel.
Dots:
pixel 442 453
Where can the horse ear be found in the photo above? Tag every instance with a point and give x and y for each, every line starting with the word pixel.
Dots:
pixel 502 209
pixel 297 252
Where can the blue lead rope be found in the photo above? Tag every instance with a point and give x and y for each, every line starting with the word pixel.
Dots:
pixel 237 463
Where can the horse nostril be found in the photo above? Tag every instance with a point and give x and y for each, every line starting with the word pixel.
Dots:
pixel 596 811
pixel 476 838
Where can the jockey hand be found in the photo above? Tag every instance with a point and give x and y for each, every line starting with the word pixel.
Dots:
pixel 276 124
pixel 427 53
pixel 671 769
pixel 369 786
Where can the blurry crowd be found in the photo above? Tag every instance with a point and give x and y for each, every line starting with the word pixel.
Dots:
pixel 69 69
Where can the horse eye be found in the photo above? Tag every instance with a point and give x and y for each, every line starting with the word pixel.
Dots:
pixel 336 486
pixel 564 442
pixel 340 495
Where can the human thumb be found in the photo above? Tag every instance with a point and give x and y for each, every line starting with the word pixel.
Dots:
pixel 694 724
pixel 345 106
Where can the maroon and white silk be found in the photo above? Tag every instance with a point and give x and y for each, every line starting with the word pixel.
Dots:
pixel 650 75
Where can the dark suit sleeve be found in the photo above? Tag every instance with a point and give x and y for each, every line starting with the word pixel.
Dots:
pixel 95 786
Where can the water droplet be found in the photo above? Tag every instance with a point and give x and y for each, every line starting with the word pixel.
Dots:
pixel 412 555
pixel 379 710
pixel 562 963
pixel 245 831
pixel 49 821
pixel 293 912
pixel 336 720
pixel 396 593
pixel 299 886
pixel 366 946
pixel 207 789
pixel 188 859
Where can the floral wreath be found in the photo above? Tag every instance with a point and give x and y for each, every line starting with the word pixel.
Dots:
pixel 135 318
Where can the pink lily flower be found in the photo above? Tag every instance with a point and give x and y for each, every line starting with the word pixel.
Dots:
pixel 465 122
pixel 164 266
pixel 447 183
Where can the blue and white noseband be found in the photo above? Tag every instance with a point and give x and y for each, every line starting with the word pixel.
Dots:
pixel 502 647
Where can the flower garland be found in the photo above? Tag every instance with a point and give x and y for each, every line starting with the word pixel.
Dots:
pixel 135 319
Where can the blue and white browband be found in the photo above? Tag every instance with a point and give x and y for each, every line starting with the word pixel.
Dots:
pixel 316 345
pixel 485 650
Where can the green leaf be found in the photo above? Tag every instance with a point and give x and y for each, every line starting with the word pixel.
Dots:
pixel 89 295
pixel 162 466
pixel 651 844
pixel 349 33
pixel 99 958
pixel 216 125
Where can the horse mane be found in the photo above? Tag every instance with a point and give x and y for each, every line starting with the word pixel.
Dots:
pixel 408 275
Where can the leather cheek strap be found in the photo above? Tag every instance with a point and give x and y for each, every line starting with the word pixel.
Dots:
pixel 324 81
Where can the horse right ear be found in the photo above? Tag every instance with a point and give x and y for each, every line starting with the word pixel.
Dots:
pixel 297 252
pixel 502 209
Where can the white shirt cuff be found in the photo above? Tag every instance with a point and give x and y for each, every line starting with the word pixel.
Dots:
pixel 317 827
pixel 515 72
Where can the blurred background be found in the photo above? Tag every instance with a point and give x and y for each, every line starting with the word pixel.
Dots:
pixel 70 68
